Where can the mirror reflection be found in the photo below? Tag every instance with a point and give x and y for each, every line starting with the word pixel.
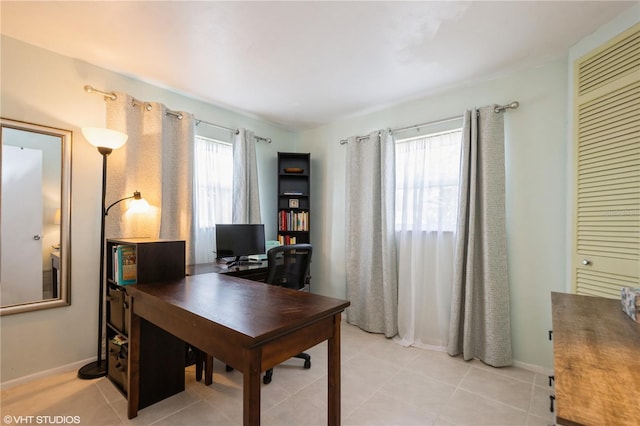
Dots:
pixel 34 217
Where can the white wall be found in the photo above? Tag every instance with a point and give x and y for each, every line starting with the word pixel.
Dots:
pixel 45 88
pixel 535 191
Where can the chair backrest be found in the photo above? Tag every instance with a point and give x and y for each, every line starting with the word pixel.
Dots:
pixel 289 265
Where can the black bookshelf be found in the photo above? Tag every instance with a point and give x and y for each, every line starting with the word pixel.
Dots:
pixel 156 261
pixel 294 197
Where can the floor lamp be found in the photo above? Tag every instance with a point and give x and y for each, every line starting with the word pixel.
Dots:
pixel 106 141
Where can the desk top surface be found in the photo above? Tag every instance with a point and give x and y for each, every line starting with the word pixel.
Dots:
pixel 596 361
pixel 255 310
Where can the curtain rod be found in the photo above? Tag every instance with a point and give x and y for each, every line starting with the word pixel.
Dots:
pixel 403 129
pixel 236 131
pixel 111 95
pixel 496 109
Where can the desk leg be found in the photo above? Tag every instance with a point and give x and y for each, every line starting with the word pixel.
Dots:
pixel 333 396
pixel 133 397
pixel 251 389
pixel 208 370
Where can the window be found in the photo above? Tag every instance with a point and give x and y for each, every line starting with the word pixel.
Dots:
pixel 213 185
pixel 213 181
pixel 427 180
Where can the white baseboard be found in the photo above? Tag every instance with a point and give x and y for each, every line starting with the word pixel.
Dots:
pixel 46 373
pixel 530 367
pixel 534 368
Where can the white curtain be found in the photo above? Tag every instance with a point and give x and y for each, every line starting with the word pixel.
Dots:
pixel 157 160
pixel 371 272
pixel 427 172
pixel 246 197
pixel 480 315
pixel 212 187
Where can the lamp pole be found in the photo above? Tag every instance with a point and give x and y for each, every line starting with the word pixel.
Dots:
pixel 106 140
pixel 97 369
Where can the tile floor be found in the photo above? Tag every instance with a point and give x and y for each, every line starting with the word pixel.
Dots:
pixel 382 384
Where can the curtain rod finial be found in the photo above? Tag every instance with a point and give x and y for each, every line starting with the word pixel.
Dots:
pixel 512 105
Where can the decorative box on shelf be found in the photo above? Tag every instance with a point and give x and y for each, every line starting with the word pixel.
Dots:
pixel 630 298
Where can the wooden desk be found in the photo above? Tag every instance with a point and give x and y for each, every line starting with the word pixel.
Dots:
pixel 596 351
pixel 249 325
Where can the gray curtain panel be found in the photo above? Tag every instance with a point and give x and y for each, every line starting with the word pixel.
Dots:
pixel 480 316
pixel 176 220
pixel 371 272
pixel 157 160
pixel 246 195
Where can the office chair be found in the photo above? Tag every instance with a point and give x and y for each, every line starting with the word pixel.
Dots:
pixel 288 266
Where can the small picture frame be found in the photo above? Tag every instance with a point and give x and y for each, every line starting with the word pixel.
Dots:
pixel 293 203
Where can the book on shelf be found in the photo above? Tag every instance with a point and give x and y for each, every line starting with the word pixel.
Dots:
pixel 119 340
pixel 125 269
pixel 114 264
pixel 293 220
pixel 286 239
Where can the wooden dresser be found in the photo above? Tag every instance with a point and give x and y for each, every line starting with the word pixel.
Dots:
pixel 596 352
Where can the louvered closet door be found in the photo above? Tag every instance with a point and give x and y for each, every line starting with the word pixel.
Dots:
pixel 607 129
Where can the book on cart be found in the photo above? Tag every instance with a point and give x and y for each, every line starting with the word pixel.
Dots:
pixel 126 267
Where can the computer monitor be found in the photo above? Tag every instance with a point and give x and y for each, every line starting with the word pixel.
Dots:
pixel 238 241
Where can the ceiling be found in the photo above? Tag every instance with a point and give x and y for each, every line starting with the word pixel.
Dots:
pixel 303 64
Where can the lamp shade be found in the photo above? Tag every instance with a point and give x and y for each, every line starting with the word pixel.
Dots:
pixel 138 205
pixel 105 138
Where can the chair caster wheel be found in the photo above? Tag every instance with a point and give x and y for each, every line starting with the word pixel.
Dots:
pixel 228 368
pixel 307 364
